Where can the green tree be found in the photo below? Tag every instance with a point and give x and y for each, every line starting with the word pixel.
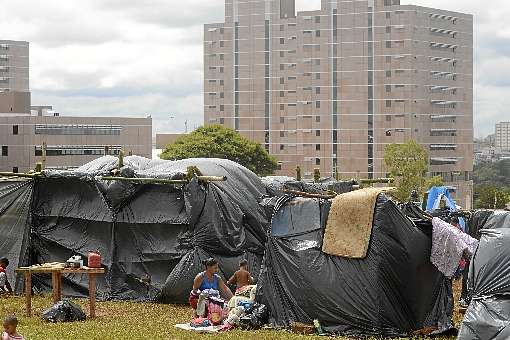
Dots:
pixel 491 197
pixel 408 164
pixel 216 141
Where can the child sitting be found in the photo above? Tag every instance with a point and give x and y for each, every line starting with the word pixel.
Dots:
pixel 242 277
pixel 9 333
pixel 5 286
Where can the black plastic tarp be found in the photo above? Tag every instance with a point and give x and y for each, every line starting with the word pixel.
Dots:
pixel 393 291
pixel 488 314
pixel 15 199
pixel 152 237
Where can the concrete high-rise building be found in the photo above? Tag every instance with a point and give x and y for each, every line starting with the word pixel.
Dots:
pixel 502 137
pixel 331 88
pixel 14 76
pixel 69 141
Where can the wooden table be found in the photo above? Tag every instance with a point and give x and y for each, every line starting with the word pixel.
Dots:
pixel 56 280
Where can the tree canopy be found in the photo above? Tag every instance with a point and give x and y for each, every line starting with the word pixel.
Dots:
pixel 408 164
pixel 216 141
pixel 492 185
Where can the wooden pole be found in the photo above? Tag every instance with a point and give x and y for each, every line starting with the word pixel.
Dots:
pixel 28 293
pixel 308 195
pixel 298 173
pixel 92 295
pixel 15 174
pixel 162 181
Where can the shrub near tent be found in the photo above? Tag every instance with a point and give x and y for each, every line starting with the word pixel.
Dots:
pixel 217 141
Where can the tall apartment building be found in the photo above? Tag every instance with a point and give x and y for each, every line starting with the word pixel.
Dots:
pixel 69 141
pixel 331 88
pixel 14 76
pixel 502 137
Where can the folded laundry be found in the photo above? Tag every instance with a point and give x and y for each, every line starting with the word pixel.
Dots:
pixel 449 246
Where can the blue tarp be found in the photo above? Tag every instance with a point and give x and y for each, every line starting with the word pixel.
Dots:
pixel 434 201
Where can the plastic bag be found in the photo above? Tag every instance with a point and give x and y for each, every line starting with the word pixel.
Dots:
pixel 258 317
pixel 64 311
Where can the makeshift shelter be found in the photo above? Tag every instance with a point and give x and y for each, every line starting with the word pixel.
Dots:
pixel 152 236
pixel 392 292
pixel 488 314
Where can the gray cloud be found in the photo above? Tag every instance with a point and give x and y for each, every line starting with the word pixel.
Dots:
pixel 118 57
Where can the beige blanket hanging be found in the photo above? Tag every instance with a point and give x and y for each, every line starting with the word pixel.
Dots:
pixel 349 225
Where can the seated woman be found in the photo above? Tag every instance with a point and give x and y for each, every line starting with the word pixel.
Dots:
pixel 206 284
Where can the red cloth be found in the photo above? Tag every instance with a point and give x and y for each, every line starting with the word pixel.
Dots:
pixel 193 300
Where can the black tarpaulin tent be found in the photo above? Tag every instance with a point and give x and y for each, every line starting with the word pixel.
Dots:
pixel 394 291
pixel 152 237
pixel 488 314
pixel 15 200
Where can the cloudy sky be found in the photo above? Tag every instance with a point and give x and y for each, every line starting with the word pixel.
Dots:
pixel 134 57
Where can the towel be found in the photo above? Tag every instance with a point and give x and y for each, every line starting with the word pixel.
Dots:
pixel 349 225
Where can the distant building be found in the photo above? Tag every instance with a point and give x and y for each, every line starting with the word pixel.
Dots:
pixel 14 76
pixel 502 136
pixel 330 88
pixel 29 135
pixel 163 139
pixel 70 141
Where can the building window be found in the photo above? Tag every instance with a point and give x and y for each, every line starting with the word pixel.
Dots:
pixel 317 119
pixel 317 133
pixel 282 134
pixel 388 74
pixel 388 44
pixel 77 129
pixel 222 69
pixel 317 147
pixel 317 62
pixel 282 120
pixel 317 104
pixel 282 41
pixel 5 151
pixel 317 76
pixel 282 107
pixel 222 121
pixel 282 147
pixel 222 30
pixel 388 103
pixel 282 67
pixel 222 43
pixel 15 170
pixel 388 118
pixel 282 80
pixel 317 20
pixel 15 129
pixel 282 54
pixel 222 94
pixel 388 29
pixel 317 90
pixel 387 2
pixel 388 15
pixel 388 59
pixel 317 161
pixel 222 56
pixel 222 82
pixel 222 108
pixel 388 88
pixel 318 33
pixel 282 27
pixel 282 94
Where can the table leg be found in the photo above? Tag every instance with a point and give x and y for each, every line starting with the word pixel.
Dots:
pixel 56 280
pixel 92 295
pixel 28 293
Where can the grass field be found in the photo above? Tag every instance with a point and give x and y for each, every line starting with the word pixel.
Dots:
pixel 125 320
